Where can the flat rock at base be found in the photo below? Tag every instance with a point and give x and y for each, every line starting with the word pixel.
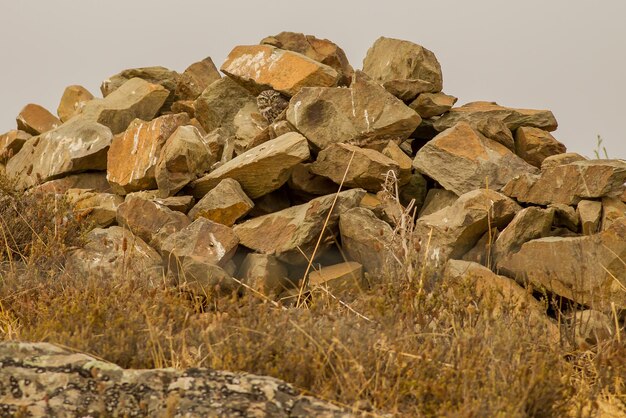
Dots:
pixel 282 233
pixel 176 203
pixel 462 160
pixel 95 181
pixel 72 101
pixel 456 228
pixel 589 212
pixel 203 279
pixel 570 183
pixel 262 67
pixel 261 170
pixel 513 118
pixel 185 156
pixel 535 145
pixel 428 105
pixel 588 270
pixel 11 143
pixel 560 159
pixel 612 209
pixel 153 75
pixel 36 120
pixel 99 209
pixel 363 114
pixel 405 69
pixel 77 145
pixel 265 274
pixel 224 204
pixel 367 168
pixel 437 199
pixel 197 77
pixel 134 154
pixel 339 278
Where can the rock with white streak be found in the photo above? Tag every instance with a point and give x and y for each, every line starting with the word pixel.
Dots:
pixel 73 100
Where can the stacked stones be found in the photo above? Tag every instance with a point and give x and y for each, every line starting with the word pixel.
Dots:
pixel 220 182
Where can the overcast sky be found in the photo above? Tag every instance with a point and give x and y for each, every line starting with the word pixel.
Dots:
pixel 568 56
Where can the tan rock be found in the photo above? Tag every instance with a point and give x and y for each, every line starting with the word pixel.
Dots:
pixel 428 105
pixel 367 168
pixel 261 170
pixel 513 118
pixel 482 251
pixel 197 77
pixel 587 269
pixel 437 199
pixel 95 181
pixel 134 154
pixel 11 143
pixel 224 204
pixel 462 160
pixel 150 221
pixel 176 203
pixel 184 106
pixel 204 281
pixel 346 277
pixel 185 156
pixel 265 274
pixel 565 216
pixel 496 130
pixel 306 183
pixel 36 120
pixel 135 99
pixel 154 75
pixel 570 183
pixel 589 212
pixel 262 67
pixel 98 209
pixel 405 69
pixel 612 209
pixel 363 114
pixel 288 231
pixel 248 124
pixel 72 101
pixel 535 145
pixel 405 164
pixel 560 159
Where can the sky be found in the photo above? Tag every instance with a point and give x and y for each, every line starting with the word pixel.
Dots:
pixel 568 56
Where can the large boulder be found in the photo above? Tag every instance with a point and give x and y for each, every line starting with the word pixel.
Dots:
pixel 428 105
pixel 91 181
pixel 36 120
pixel 197 77
pixel 99 209
pixel 225 203
pixel 73 100
pixel 535 145
pixel 162 76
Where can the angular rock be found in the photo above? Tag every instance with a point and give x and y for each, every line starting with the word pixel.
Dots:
pixel 176 203
pixel 362 114
pixel 428 105
pixel 99 209
pixel 185 156
pixel 261 170
pixel 162 76
pixel 589 212
pixel 405 69
pixel 535 145
pixel 305 183
pixel 565 216
pixel 570 183
pixel 346 277
pixel 197 77
pixel 405 164
pixel 496 130
pixel 36 120
pixel 482 252
pixel 72 101
pixel 612 209
pixel 262 67
pixel 588 269
pixel 76 146
pixel 134 154
pixel 456 228
pixel 184 106
pixel 150 221
pixel 271 202
pixel 437 199
pixel 248 124
pixel 11 143
pixel 288 231
pixel 560 159
pixel 367 168
pixel 265 274
pixel 462 160
pixel 96 182
pixel 135 99
pixel 320 50
pixel 224 204
pixel 513 118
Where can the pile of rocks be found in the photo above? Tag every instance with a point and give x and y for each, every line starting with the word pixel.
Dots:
pixel 231 182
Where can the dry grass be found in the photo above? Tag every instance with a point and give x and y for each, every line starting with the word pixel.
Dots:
pixel 404 347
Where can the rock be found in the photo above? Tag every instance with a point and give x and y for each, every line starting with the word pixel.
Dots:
pixel 589 212
pixel 496 130
pixel 224 204
pixel 150 221
pixel 535 145
pixel 306 183
pixel 370 242
pixel 528 224
pixel 346 277
pixel 99 209
pixel 367 169
pixel 560 159
pixel 462 160
pixel 77 145
pixel 363 114
pixel 405 69
pixel 185 156
pixel 60 391
pixel 612 209
pixel 248 124
pixel 456 228
pixel 428 105
pixel 271 202
pixel 116 252
pixel 261 170
pixel 219 103
pixel 162 76
pixel 185 106
pixel 482 251
pixel 414 190
pixel 36 120
pixel 588 328
pixel 72 101
pixel 134 154
pixel 262 67
pixel 320 50
pixel 203 280
pixel 288 231
pixel 405 164
pixel 11 143
pixel 197 77
pixel 96 181
pixel 513 118
pixel 588 269
pixel 437 199
pixel 265 274
pixel 570 183
pixel 176 203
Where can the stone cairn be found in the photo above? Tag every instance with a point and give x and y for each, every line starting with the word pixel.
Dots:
pixel 294 171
